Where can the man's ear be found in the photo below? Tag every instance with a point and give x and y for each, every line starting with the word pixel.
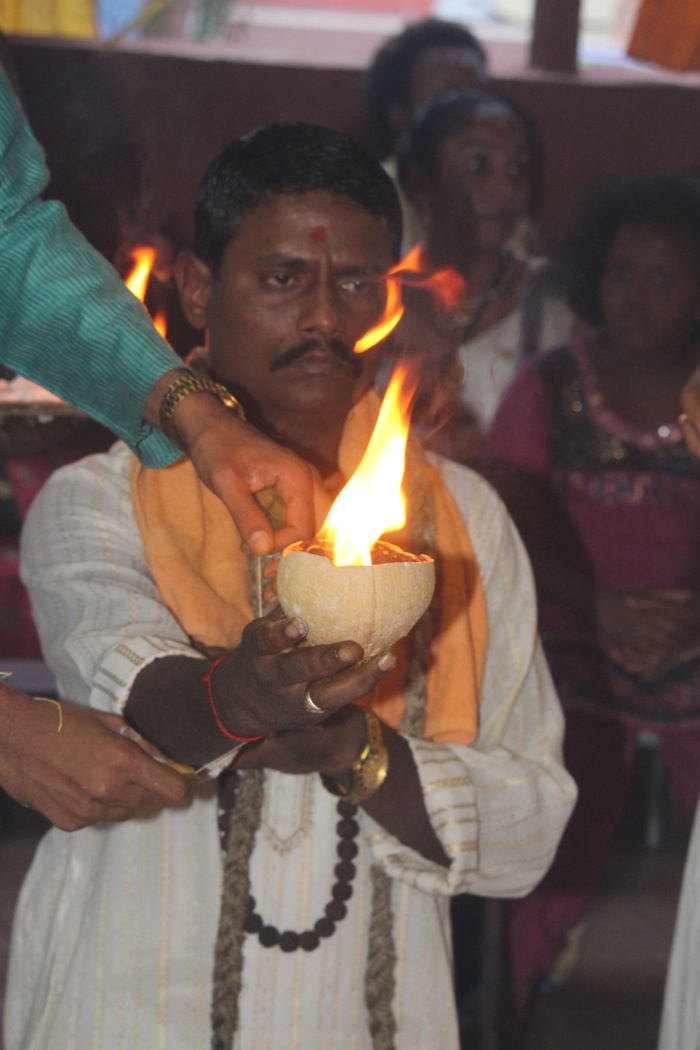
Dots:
pixel 194 282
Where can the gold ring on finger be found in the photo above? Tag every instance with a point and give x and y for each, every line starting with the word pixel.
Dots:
pixel 310 706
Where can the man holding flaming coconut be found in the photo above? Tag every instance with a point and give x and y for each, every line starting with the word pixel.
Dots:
pixel 326 922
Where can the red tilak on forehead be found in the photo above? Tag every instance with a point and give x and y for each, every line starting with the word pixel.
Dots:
pixel 319 234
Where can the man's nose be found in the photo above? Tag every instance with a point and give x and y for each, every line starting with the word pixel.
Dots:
pixel 322 309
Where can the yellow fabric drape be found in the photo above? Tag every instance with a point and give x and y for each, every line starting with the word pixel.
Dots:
pixel 194 553
pixel 74 18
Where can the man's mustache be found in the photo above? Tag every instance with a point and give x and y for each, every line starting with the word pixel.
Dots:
pixel 345 353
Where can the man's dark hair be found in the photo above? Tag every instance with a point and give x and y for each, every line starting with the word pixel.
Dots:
pixel 388 78
pixel 287 159
pixel 445 115
pixel 671 201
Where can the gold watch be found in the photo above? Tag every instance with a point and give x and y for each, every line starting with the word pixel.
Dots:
pixel 192 384
pixel 370 768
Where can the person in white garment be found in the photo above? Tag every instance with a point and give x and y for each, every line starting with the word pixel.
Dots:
pixel 301 899
pixel 471 163
pixel 680 1017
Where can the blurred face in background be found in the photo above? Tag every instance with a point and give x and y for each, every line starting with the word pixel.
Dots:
pixel 483 177
pixel 439 69
pixel 650 292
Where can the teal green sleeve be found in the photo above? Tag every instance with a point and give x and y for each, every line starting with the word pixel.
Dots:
pixel 66 319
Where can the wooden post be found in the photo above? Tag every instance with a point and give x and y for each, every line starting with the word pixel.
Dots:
pixel 555 35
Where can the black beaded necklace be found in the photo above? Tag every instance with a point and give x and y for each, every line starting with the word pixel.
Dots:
pixel 336 909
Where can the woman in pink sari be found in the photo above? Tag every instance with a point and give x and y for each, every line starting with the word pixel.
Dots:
pixel 589 457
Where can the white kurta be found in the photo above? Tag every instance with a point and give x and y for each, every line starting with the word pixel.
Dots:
pixel 490 360
pixel 113 940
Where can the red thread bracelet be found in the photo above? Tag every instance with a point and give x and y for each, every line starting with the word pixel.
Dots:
pixel 220 724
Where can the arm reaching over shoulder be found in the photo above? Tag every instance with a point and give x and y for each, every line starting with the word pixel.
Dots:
pixel 106 357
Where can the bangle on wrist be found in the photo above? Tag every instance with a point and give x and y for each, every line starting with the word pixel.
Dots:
pixel 370 768
pixel 227 733
pixel 181 388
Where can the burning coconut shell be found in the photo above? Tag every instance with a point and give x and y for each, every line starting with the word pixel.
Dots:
pixel 373 605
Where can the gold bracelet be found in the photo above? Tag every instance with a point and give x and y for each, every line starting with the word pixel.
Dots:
pixel 192 384
pixel 370 768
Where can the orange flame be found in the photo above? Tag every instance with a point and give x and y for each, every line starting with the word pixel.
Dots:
pixel 160 323
pixel 137 282
pixel 446 285
pixel 372 503
pixel 393 312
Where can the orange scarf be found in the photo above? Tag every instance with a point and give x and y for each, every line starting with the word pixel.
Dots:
pixel 194 552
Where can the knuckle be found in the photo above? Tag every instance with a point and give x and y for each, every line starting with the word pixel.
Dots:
pixel 108 786
pixel 87 811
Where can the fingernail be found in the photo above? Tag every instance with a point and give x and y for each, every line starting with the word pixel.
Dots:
pixel 387 661
pixel 296 629
pixel 259 543
pixel 346 654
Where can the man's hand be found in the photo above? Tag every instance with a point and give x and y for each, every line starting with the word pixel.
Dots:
pixel 330 746
pixel 261 687
pixel 260 690
pixel 235 461
pixel 93 770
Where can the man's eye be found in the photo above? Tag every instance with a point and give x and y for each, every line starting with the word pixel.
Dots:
pixel 279 280
pixel 356 285
pixel 661 278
